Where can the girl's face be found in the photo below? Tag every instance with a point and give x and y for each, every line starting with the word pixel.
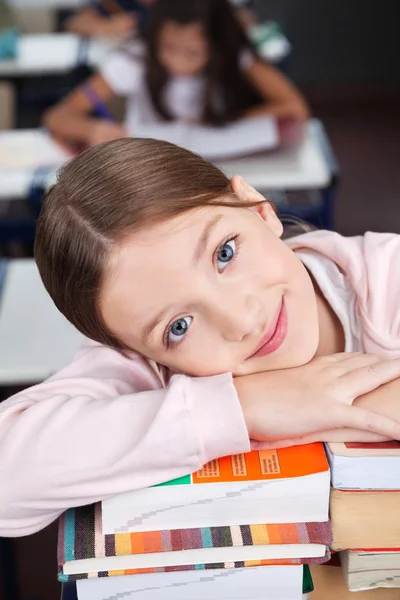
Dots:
pixel 213 290
pixel 182 49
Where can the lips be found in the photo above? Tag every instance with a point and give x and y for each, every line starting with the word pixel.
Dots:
pixel 274 337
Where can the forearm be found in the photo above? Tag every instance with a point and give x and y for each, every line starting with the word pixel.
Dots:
pixel 105 428
pixel 69 126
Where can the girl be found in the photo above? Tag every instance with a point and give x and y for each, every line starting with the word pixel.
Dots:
pixel 207 330
pixel 197 72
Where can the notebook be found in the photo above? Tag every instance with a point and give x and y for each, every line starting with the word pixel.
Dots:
pixel 289 485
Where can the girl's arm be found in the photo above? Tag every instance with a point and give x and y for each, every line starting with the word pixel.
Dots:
pixel 105 425
pixel 70 120
pixel 282 98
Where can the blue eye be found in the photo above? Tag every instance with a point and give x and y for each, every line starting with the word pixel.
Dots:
pixel 225 254
pixel 178 330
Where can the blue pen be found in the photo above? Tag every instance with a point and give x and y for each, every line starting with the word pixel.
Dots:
pixel 100 107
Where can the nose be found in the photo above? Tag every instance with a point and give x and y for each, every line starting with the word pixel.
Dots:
pixel 238 315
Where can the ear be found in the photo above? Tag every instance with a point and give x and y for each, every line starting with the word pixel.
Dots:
pixel 265 209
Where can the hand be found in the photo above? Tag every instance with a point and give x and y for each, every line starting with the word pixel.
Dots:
pixel 314 401
pixel 118 25
pixel 105 131
pixel 289 130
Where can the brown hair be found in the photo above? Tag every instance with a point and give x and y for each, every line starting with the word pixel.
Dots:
pixel 100 197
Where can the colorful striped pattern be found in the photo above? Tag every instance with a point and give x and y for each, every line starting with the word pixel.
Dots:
pixel 80 537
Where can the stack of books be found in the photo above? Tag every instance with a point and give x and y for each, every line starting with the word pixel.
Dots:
pixel 365 512
pixel 197 537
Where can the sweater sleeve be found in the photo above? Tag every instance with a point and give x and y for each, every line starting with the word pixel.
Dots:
pixel 105 425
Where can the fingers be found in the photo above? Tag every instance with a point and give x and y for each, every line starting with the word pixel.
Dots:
pixel 348 362
pixel 300 441
pixel 371 375
pixel 355 417
pixel 346 434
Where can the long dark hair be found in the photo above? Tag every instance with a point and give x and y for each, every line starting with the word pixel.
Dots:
pixel 228 93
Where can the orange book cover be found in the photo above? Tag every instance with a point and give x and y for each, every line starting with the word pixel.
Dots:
pixel 265 464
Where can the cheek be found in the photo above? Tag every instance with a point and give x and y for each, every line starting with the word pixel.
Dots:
pixel 203 356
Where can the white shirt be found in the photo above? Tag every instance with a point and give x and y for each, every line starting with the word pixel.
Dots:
pixel 336 290
pixel 124 71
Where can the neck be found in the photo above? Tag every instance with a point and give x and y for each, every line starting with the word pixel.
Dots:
pixel 331 334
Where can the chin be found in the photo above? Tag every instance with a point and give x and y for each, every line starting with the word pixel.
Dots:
pixel 295 356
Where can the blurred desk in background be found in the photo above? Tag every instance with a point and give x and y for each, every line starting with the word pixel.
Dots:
pixel 53 53
pixel 35 338
pixel 46 68
pixel 27 160
pixel 306 165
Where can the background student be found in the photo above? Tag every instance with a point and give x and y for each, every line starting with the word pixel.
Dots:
pixel 195 72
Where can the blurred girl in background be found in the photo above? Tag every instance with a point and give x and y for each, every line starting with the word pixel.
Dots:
pixel 194 71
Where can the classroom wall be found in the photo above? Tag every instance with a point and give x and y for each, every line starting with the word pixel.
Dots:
pixel 339 41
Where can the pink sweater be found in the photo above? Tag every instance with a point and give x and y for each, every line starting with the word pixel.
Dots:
pixel 107 424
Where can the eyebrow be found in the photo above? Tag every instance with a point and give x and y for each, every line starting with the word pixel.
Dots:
pixel 201 246
pixel 200 249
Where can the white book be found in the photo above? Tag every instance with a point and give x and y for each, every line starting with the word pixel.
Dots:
pixel 290 485
pixel 371 569
pixel 362 466
pixel 274 582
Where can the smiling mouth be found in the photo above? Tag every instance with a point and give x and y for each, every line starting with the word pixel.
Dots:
pixel 274 337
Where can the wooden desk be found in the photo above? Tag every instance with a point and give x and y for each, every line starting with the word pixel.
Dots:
pixel 329 584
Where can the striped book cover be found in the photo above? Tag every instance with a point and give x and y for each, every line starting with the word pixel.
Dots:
pixel 80 537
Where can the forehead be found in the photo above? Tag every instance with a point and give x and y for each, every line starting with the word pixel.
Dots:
pixel 172 238
pixel 191 35
pixel 156 257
